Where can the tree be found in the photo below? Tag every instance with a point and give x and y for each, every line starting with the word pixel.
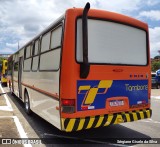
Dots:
pixel 155 66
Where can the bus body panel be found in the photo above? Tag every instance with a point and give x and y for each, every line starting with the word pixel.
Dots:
pixel 130 89
pixel 43 90
pixel 41 84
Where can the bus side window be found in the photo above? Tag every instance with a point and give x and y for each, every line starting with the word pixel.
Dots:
pixel 36 47
pixel 32 49
pixel 27 58
pixel 16 66
pixel 45 42
pixel 28 51
pixel 56 37
pixel 52 57
pixel 35 59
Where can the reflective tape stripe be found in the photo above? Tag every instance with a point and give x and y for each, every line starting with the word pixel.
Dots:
pixel 135 116
pixel 81 124
pixel 110 117
pixel 138 115
pixel 142 115
pixel 90 122
pixel 70 125
pixel 128 117
pixel 99 121
pixel 87 119
pixel 95 121
pixel 131 116
pixel 145 114
pixel 104 120
pixel 148 114
pixel 76 124
pixel 119 119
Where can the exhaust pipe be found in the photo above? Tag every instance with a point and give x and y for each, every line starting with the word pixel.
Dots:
pixel 84 66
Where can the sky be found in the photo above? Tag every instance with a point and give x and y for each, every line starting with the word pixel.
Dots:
pixel 21 20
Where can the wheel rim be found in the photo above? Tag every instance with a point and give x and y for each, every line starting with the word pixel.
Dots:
pixel 26 103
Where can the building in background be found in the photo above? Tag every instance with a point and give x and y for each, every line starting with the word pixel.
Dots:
pixel 4 55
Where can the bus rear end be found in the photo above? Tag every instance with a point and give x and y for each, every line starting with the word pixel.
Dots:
pixel 105 70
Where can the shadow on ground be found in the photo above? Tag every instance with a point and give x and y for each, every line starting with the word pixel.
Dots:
pixel 97 137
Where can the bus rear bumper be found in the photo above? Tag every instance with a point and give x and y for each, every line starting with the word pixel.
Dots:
pixel 76 124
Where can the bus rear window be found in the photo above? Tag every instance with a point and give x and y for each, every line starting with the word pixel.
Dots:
pixel 112 43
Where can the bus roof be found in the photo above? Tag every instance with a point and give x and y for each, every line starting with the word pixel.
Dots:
pixel 111 16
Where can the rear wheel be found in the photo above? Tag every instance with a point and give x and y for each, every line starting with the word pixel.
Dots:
pixel 11 91
pixel 10 88
pixel 27 103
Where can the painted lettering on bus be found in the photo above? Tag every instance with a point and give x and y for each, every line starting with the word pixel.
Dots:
pixel 136 87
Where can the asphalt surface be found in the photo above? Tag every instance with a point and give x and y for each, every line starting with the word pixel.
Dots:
pixel 36 127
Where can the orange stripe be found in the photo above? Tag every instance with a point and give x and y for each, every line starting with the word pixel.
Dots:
pixel 40 90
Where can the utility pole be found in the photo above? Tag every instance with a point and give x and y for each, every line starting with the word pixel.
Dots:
pixel 18 45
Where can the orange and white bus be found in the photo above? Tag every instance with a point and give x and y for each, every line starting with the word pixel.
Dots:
pixel 88 69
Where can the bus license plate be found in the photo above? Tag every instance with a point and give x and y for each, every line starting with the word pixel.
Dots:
pixel 116 103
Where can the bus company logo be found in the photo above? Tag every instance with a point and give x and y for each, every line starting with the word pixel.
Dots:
pixel 136 87
pixel 90 93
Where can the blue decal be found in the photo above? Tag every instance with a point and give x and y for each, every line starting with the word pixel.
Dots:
pixel 92 94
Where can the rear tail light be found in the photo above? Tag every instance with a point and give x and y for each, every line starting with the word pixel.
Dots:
pixel 68 105
pixel 68 102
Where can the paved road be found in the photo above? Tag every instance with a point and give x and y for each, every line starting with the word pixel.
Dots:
pixel 35 127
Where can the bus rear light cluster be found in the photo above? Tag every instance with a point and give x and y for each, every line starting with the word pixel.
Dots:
pixel 68 105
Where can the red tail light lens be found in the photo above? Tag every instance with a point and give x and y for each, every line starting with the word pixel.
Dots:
pixel 68 105
pixel 68 102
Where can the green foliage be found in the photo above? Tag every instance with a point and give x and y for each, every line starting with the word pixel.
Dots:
pixel 155 65
pixel 157 57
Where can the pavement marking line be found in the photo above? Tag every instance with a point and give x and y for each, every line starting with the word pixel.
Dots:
pixel 151 121
pixel 155 97
pixel 19 128
pixel 9 106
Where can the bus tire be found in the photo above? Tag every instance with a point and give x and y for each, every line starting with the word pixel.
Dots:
pixel 11 91
pixel 27 103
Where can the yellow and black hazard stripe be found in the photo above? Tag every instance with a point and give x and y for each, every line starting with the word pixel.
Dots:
pixel 76 124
